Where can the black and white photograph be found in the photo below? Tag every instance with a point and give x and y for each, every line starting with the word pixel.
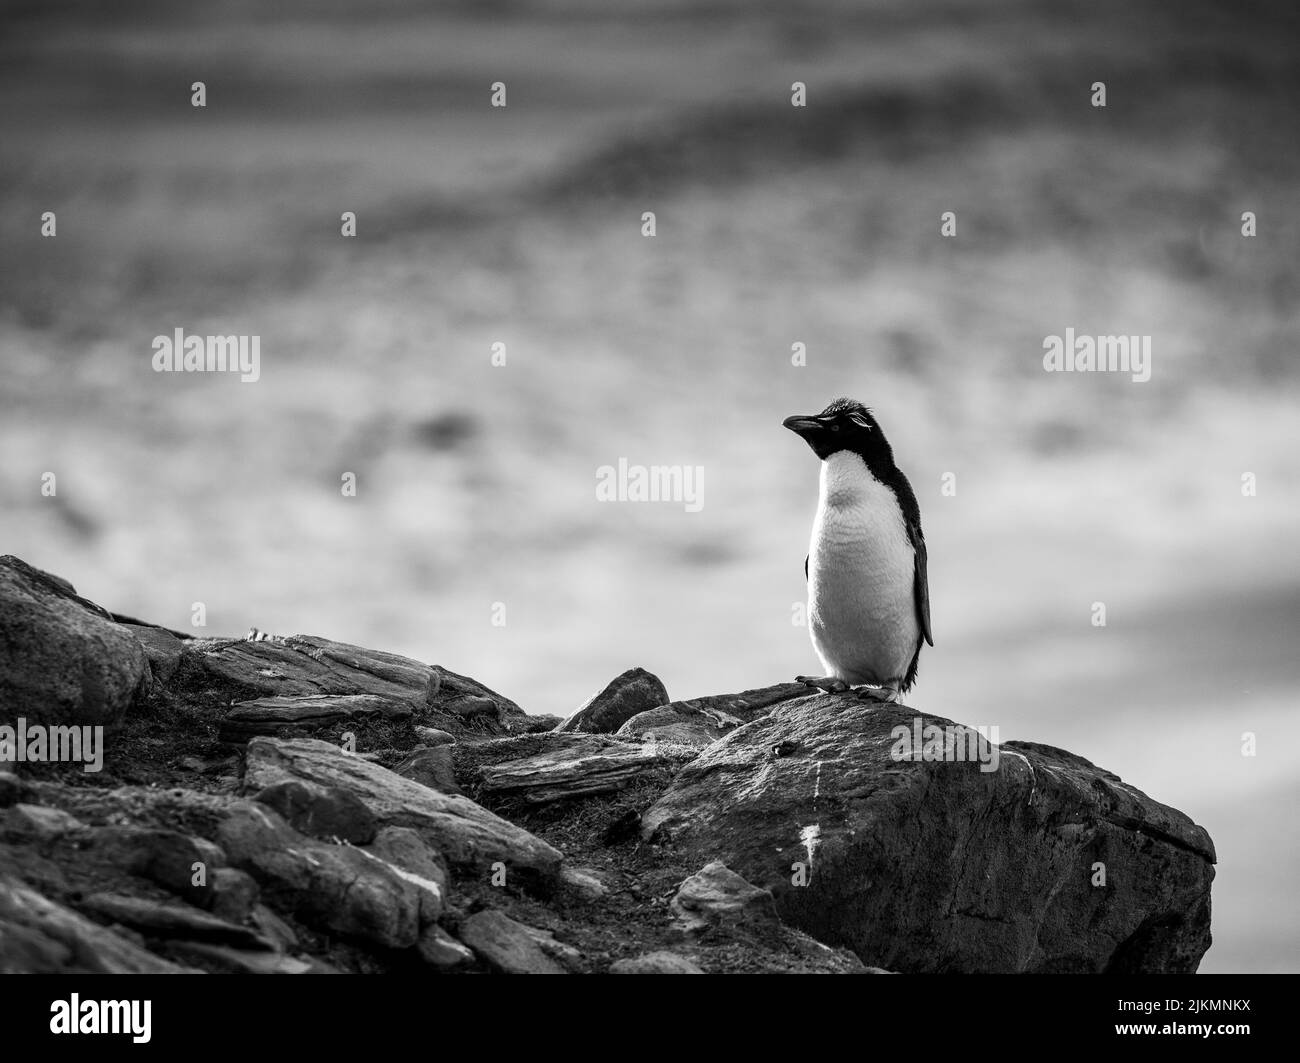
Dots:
pixel 664 487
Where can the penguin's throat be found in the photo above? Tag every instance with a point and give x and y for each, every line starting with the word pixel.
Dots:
pixel 846 482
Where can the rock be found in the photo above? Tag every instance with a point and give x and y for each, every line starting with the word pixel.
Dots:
pixel 35 823
pixel 24 950
pixel 161 647
pixel 167 921
pixel 238 961
pixel 302 715
pixel 661 962
pixel 304 666
pixel 537 722
pixel 166 857
pixel 465 833
pixel 38 936
pixel 626 695
pixel 572 772
pixel 431 891
pixel 63 660
pixel 439 949
pixel 583 883
pixel 517 747
pixel 273 928
pixel 748 705
pixel 700 722
pixel 430 767
pixel 458 695
pixel 406 851
pixel 921 866
pixel 12 788
pixel 300 666
pixel 717 896
pixel 836 960
pixel 321 811
pixel 672 725
pixel 140 807
pixel 335 887
pixel 561 953
pixel 505 946
pixel 217 766
pixel 795 805
pixel 469 706
pixel 234 894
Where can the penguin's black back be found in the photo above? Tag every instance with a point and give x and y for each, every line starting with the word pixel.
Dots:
pixel 911 509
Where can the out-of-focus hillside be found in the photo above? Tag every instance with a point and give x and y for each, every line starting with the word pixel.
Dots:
pixel 775 225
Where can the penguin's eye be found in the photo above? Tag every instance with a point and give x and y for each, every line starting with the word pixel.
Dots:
pixel 835 428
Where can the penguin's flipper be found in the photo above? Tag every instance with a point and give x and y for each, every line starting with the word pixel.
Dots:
pixel 805 566
pixel 920 582
pixel 921 589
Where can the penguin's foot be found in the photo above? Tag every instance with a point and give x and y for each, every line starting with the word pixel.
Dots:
pixel 830 683
pixel 868 692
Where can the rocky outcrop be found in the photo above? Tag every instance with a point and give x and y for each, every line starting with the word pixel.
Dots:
pixel 162 648
pixel 576 771
pixel 443 952
pixel 871 838
pixel 166 858
pixel 506 946
pixel 65 660
pixel 336 887
pixel 718 896
pixel 635 691
pixel 321 811
pixel 700 722
pixel 38 936
pixel 299 682
pixel 162 920
pixel 465 832
pixel 662 962
pixel 431 766
pixel 287 716
pixel 433 737
pixel 295 805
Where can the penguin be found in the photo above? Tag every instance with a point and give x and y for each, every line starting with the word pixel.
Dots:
pixel 868 592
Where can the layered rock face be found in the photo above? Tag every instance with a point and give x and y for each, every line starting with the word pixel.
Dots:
pixel 65 659
pixel 296 805
pixel 929 863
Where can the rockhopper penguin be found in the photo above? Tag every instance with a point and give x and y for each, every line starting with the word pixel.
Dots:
pixel 868 598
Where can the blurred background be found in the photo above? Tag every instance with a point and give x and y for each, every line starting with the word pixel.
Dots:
pixel 776 226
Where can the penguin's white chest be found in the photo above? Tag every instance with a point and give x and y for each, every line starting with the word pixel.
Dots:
pixel 861 572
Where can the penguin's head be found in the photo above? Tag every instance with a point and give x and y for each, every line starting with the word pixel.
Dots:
pixel 844 425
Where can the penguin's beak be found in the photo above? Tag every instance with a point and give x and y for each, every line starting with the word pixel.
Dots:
pixel 801 426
